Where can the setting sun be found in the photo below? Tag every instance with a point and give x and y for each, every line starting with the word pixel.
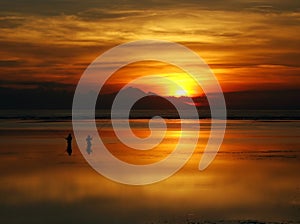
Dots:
pixel 180 92
pixel 156 77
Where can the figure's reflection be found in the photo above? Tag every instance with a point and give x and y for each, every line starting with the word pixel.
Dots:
pixel 69 144
pixel 89 144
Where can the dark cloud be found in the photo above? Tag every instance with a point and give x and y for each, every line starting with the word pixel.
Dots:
pixel 59 7
pixel 99 14
pixel 11 63
pixel 71 7
pixel 49 53
pixel 11 23
pixel 45 85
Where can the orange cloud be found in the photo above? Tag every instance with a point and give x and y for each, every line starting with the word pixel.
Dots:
pixel 255 47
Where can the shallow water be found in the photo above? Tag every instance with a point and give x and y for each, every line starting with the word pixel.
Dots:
pixel 255 176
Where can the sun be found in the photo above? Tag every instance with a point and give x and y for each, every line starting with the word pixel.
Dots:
pixel 180 92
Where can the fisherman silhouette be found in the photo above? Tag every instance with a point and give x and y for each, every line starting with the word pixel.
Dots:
pixel 69 142
pixel 89 144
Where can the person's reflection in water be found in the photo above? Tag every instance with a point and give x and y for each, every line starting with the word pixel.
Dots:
pixel 69 142
pixel 89 144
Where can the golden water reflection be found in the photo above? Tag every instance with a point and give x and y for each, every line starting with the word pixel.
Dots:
pixel 254 176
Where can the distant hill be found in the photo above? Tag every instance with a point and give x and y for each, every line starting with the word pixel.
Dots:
pixel 53 98
pixel 148 100
pixel 263 99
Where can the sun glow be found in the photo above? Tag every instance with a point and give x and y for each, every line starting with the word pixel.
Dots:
pixel 180 93
pixel 184 85
pixel 159 78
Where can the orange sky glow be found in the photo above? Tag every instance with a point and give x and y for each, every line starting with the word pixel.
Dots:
pixel 158 77
pixel 248 46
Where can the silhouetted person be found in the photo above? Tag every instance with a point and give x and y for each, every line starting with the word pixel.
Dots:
pixel 89 144
pixel 69 142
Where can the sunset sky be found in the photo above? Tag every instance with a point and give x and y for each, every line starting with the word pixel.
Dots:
pixel 250 45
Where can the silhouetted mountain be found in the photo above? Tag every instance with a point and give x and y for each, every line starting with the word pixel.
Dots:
pixel 278 99
pixel 147 100
pixel 253 100
pixel 38 98
pixel 54 98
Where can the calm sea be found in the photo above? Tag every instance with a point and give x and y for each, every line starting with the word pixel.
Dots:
pixel 203 114
pixel 253 179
